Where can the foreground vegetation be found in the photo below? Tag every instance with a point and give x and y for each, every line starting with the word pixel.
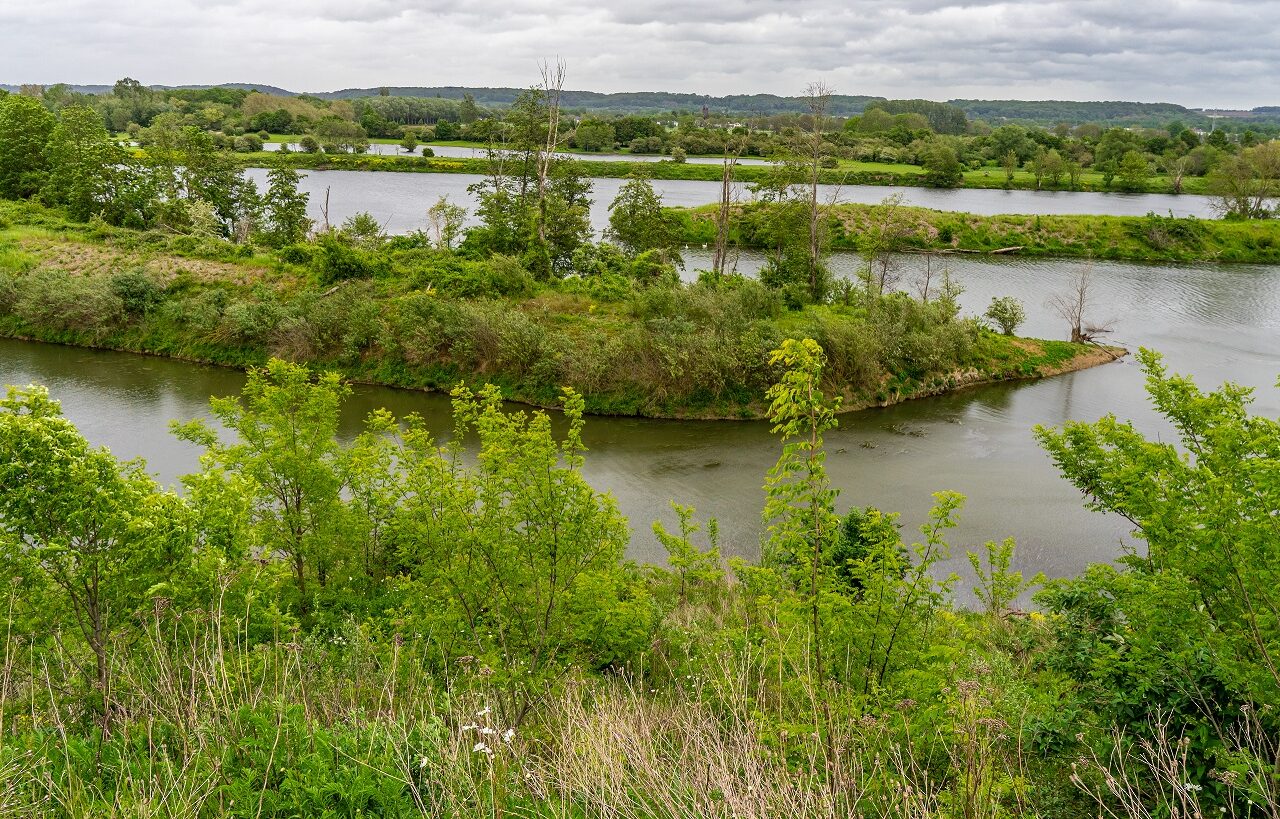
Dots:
pixel 395 626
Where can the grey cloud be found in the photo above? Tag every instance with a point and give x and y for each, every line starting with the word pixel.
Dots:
pixel 1196 52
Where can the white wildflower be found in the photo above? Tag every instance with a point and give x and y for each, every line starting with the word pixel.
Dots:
pixel 481 748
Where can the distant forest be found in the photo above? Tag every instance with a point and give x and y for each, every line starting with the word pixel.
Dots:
pixel 1038 112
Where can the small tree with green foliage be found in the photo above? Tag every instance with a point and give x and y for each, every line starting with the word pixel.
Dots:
pixel 515 562
pixel 284 209
pixel 285 423
pixel 638 223
pixel 1134 171
pixel 942 166
pixel 97 533
pixel 999 586
pixel 695 568
pixel 445 221
pixel 25 128
pixel 1006 313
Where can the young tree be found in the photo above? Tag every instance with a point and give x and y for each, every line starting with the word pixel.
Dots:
pixel 445 221
pixel 1134 171
pixel 285 424
pixel 638 223
pixel 284 209
pixel 1247 185
pixel 551 88
pixel 25 127
pixel 799 509
pixel 1009 161
pixel 1006 313
pixel 1052 166
pixel 409 142
pixel 1196 608
pixel 96 530
pixel 817 98
pixel 514 562
pixel 886 235
pixel 1074 304
pixel 941 165
pixel 694 567
pixel 1177 166
pixel 732 150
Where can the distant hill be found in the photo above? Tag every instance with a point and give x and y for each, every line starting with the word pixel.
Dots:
pixel 627 102
pixel 995 112
pixel 1049 112
pixel 106 89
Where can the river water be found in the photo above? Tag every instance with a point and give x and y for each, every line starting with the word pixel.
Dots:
pixel 1213 322
pixel 467 152
pixel 399 201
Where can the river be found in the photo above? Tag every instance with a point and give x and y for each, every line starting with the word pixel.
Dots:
pixel 1212 322
pixel 399 201
pixel 467 152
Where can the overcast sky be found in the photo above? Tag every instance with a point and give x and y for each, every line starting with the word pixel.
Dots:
pixel 1220 53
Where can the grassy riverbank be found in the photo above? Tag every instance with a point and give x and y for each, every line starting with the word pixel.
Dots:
pixel 847 172
pixel 599 168
pixel 1150 238
pixel 428 319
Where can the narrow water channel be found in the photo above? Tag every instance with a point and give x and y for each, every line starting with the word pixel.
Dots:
pixel 399 201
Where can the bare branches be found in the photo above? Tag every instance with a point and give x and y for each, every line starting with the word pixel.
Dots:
pixel 1073 306
pixel 817 96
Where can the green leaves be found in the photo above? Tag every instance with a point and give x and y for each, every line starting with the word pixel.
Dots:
pixel 799 500
pixel 1197 614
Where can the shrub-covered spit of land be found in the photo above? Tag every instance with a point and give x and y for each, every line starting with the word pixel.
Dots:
pixel 621 329
pixel 893 227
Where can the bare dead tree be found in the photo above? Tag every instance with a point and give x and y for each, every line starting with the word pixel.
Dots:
pixel 1074 304
pixel 887 230
pixel 924 283
pixel 732 150
pixel 817 98
pixel 552 86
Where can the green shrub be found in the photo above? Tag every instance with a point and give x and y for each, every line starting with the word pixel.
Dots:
pixel 53 300
pixel 138 292
pixel 335 260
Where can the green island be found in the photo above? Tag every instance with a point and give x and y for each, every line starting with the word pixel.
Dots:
pixel 396 311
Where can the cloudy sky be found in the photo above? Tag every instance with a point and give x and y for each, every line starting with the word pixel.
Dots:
pixel 1223 53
